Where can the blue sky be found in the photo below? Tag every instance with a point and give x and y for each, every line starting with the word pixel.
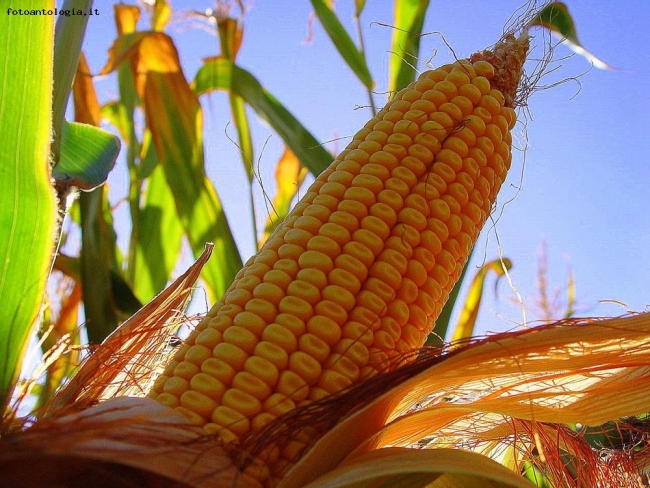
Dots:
pixel 581 186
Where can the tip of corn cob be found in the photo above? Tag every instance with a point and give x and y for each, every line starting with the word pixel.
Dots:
pixel 507 58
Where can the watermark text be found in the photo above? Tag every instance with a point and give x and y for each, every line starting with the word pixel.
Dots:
pixel 55 11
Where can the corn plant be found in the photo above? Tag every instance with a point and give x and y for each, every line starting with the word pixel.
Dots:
pixel 310 368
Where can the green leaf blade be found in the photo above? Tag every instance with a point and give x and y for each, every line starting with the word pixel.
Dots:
pixel 87 155
pixel 221 74
pixel 178 141
pixel 408 19
pixel 343 42
pixel 27 200
pixel 556 18
pixel 159 238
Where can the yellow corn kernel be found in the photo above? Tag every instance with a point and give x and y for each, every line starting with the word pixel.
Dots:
pixel 198 402
pixel 207 385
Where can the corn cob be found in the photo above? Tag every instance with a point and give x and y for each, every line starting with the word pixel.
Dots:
pixel 359 270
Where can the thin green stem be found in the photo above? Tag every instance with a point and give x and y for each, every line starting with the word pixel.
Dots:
pixel 362 50
pixel 251 199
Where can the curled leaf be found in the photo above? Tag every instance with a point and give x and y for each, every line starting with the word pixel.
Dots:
pixel 556 18
pixel 467 320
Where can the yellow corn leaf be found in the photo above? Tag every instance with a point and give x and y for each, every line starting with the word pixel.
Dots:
pixel 174 117
pixel 587 372
pixel 64 331
pixel 162 12
pixel 230 39
pixel 231 35
pixel 289 175
pixel 86 105
pixel 411 468
pixel 467 320
pixel 126 18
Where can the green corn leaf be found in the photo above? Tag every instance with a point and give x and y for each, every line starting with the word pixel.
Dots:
pixel 88 154
pixel 125 300
pixel 220 74
pixel 408 19
pixel 159 237
pixel 97 258
pixel 177 137
pixel 342 41
pixel 230 38
pixel 115 114
pixel 174 117
pixel 556 18
pixel 27 201
pixel 70 31
pixel 465 326
pixel 535 476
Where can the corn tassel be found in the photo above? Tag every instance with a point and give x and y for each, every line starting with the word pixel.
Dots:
pixel 359 270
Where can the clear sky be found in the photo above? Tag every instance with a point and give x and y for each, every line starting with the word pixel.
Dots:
pixel 581 186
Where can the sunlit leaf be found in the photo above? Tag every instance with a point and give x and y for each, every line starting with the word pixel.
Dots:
pixel 86 104
pixel 231 34
pixel 342 41
pixel 536 476
pixel 408 20
pixel 586 371
pixel 556 18
pixel 159 238
pixel 467 319
pixel 115 114
pixel 87 153
pixel 413 468
pixel 439 331
pixel 87 156
pixel 359 5
pixel 69 35
pixel 64 331
pixel 289 175
pixel 98 250
pixel 230 37
pixel 174 117
pixel 126 18
pixel 27 201
pixel 162 12
pixel 220 74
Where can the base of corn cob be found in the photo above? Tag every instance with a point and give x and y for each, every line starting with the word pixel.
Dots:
pixel 358 272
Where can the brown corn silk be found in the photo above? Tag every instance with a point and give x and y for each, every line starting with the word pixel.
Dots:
pixel 356 275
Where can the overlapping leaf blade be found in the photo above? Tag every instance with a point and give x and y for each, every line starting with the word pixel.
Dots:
pixel 174 117
pixel 587 371
pixel 556 18
pixel 342 41
pixel 218 73
pixel 408 21
pixel 442 468
pixel 87 155
pixel 465 326
pixel 27 201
